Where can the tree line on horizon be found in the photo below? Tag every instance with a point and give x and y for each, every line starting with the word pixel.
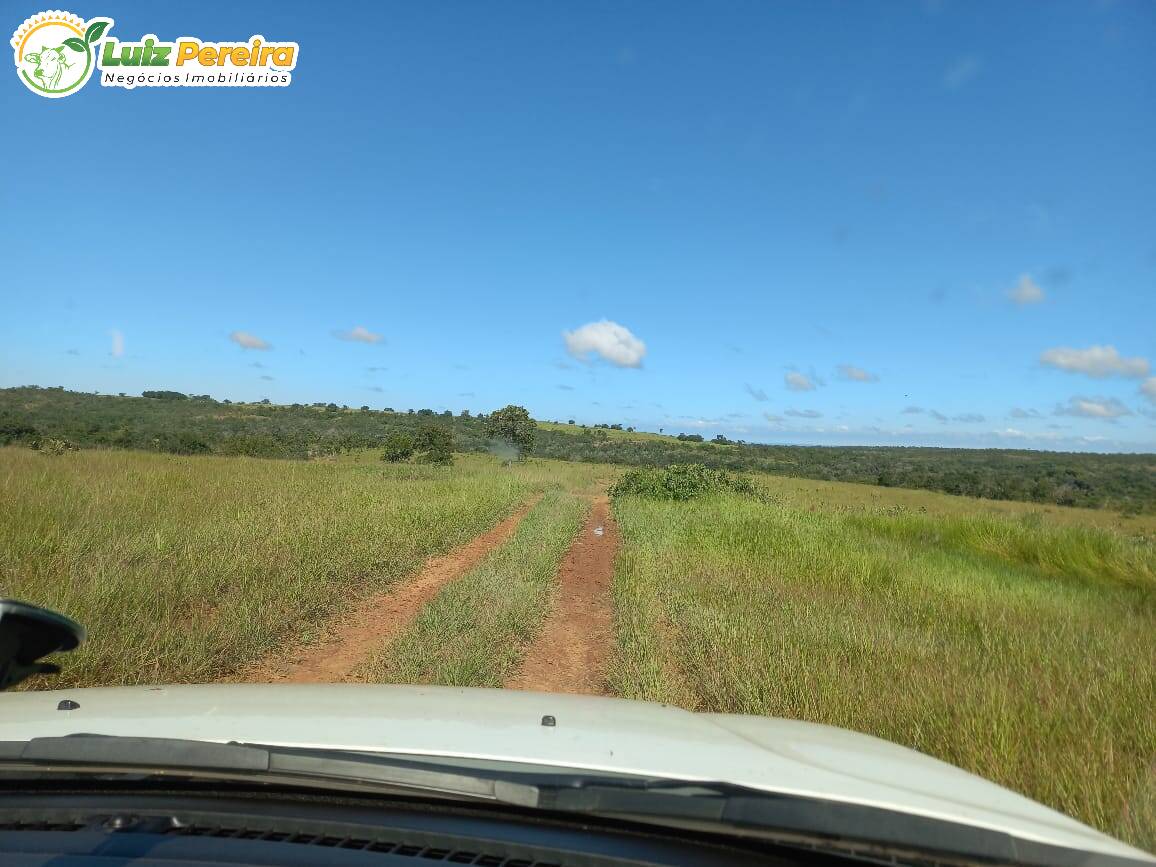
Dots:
pixel 173 422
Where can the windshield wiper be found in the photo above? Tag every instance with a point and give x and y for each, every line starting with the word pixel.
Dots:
pixel 700 806
pixel 177 757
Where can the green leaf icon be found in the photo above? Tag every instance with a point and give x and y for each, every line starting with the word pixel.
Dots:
pixel 95 31
pixel 75 44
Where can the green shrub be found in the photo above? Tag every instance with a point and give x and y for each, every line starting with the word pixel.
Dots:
pixel 50 446
pixel 398 447
pixel 435 445
pixel 681 482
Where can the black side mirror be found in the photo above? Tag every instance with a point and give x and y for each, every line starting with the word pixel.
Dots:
pixel 28 632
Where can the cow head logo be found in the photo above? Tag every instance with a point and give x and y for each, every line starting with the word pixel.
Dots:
pixel 56 51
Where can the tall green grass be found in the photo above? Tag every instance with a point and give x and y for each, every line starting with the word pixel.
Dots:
pixel 474 633
pixel 1019 650
pixel 184 569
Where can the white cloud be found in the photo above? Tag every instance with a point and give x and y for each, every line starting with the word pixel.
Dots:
pixel 803 413
pixel 856 374
pixel 1107 408
pixel 756 393
pixel 607 339
pixel 248 341
pixel 117 348
pixel 771 417
pixel 1148 388
pixel 799 381
pixel 358 333
pixel 1018 412
pixel 1027 291
pixel 961 71
pixel 1097 361
pixel 913 410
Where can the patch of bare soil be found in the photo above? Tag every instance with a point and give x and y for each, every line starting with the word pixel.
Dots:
pixel 351 639
pixel 571 653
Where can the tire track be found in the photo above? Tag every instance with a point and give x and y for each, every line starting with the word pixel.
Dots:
pixel 573 648
pixel 354 636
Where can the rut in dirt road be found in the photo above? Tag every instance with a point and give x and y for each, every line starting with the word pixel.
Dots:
pixel 356 635
pixel 571 653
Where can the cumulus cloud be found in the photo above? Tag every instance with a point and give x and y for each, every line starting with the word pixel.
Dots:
pixel 1097 361
pixel 608 340
pixel 856 374
pixel 117 348
pixel 1148 389
pixel 1106 408
pixel 1018 412
pixel 248 341
pixel 935 414
pixel 756 393
pixel 796 381
pixel 1027 291
pixel 803 413
pixel 961 71
pixel 358 334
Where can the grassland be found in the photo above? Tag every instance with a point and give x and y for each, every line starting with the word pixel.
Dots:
pixel 1021 648
pixel 1016 640
pixel 476 630
pixel 184 569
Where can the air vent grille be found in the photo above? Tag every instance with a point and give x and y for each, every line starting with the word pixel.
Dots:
pixel 428 853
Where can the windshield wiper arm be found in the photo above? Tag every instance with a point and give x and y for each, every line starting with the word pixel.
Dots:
pixel 147 754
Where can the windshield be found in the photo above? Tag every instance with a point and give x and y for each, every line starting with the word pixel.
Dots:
pixel 791 360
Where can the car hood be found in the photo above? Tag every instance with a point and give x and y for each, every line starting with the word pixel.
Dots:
pixel 590 733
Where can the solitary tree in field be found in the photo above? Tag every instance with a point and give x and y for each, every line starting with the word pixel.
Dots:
pixel 514 426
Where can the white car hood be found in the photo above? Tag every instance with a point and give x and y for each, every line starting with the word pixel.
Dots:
pixel 605 734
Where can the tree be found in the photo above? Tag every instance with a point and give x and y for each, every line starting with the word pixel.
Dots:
pixel 513 425
pixel 435 445
pixel 398 447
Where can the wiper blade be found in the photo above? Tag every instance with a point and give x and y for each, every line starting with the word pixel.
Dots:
pixel 174 756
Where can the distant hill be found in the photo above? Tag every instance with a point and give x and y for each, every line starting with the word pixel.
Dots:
pixel 189 424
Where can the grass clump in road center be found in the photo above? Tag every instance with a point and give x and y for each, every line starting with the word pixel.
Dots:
pixel 680 482
pixel 474 633
pixel 1018 649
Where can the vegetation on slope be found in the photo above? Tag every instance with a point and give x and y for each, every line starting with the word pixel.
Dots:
pixel 200 425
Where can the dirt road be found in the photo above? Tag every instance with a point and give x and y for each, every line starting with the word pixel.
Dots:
pixel 356 635
pixel 571 653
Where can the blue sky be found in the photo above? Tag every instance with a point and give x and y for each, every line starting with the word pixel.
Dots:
pixel 907 223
